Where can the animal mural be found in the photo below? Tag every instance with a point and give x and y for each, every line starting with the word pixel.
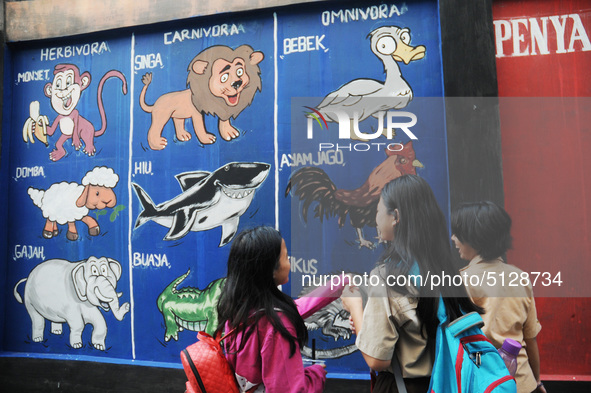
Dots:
pixel 64 93
pixel 312 184
pixel 193 309
pixel 65 203
pixel 208 200
pixel 333 322
pixel 369 97
pixel 189 308
pixel 222 82
pixel 74 293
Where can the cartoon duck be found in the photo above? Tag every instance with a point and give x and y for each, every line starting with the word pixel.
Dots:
pixel 367 97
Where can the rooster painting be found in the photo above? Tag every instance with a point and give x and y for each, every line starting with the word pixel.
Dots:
pixel 312 184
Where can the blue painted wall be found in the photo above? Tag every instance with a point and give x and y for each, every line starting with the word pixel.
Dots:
pixel 309 52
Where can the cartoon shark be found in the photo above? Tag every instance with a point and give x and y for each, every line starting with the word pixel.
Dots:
pixel 208 200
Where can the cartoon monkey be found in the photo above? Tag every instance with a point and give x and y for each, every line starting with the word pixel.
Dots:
pixel 64 93
pixel 222 82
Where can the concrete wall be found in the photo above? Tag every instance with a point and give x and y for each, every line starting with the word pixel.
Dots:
pixel 41 19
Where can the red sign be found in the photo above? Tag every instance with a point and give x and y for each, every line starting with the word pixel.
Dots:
pixel 543 49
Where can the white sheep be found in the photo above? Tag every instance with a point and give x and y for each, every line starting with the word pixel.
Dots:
pixel 65 203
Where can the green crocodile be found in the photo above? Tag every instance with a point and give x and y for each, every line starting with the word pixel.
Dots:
pixel 189 308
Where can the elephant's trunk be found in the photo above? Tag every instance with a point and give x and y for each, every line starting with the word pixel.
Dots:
pixel 101 297
pixel 111 301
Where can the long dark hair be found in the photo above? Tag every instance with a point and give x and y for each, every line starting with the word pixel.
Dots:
pixel 250 292
pixel 421 236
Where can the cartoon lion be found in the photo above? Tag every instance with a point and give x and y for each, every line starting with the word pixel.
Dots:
pixel 222 82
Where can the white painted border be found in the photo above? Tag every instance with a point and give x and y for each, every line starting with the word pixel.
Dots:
pixel 275 120
pixel 129 192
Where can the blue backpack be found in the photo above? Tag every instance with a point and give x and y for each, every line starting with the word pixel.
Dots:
pixel 465 360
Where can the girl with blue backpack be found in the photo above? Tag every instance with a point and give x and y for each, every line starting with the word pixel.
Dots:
pixel 399 322
pixel 482 234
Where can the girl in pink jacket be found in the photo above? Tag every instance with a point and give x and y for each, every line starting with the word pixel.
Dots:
pixel 264 350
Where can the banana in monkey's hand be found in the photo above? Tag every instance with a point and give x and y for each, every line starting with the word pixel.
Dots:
pixel 31 122
pixel 35 124
pixel 41 129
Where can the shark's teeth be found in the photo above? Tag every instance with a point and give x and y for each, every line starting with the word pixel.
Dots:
pixel 194 326
pixel 237 194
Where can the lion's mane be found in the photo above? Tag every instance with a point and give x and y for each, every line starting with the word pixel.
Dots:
pixel 201 96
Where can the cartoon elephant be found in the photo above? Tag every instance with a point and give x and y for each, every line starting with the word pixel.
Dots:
pixel 73 292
